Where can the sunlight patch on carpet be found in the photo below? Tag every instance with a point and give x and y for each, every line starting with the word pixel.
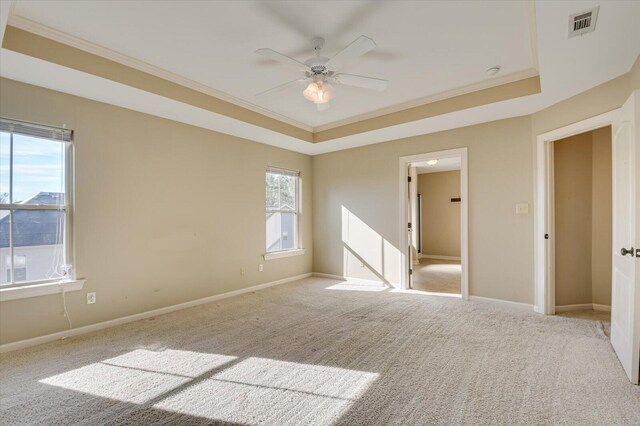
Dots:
pixel 259 390
pixel 138 376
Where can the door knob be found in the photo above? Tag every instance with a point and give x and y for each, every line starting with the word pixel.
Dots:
pixel 624 251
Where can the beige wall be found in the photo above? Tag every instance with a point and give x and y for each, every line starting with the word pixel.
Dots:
pixel 582 182
pixel 440 217
pixel 573 218
pixel 364 182
pixel 601 226
pixel 634 75
pixel 598 100
pixel 165 212
pixel 139 251
pixel 361 185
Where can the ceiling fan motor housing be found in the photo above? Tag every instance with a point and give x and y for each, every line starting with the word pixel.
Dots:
pixel 317 66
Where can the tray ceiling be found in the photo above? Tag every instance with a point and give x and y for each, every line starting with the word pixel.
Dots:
pixel 423 48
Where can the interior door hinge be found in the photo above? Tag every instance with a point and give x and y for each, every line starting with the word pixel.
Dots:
pixel 408 178
pixel 409 226
pixel 410 271
pixel 546 236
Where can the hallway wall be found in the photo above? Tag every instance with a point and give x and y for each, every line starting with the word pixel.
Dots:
pixel 582 169
pixel 440 217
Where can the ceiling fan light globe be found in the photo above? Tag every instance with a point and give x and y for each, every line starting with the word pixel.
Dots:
pixel 319 92
pixel 310 91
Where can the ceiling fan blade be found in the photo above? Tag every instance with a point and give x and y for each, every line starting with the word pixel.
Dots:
pixel 323 107
pixel 361 81
pixel 281 88
pixel 283 59
pixel 359 47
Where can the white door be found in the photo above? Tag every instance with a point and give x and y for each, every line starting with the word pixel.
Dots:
pixel 625 298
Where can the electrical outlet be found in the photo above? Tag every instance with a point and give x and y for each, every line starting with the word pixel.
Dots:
pixel 241 271
pixel 260 267
pixel 522 208
pixel 91 298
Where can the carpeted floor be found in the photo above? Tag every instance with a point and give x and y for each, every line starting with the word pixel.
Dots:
pixel 437 276
pixel 604 317
pixel 323 352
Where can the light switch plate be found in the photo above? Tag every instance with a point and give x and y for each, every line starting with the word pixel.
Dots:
pixel 522 208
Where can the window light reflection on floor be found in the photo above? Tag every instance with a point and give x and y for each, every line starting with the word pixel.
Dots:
pixel 221 387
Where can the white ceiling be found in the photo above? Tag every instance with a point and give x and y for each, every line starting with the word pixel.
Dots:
pixel 443 165
pixel 423 48
pixel 567 67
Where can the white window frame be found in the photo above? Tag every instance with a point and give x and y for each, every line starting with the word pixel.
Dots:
pixel 297 249
pixel 64 136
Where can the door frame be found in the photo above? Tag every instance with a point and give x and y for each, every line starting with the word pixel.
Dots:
pixel 404 163
pixel 544 210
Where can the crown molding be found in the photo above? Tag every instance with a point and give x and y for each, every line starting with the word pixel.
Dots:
pixel 475 87
pixel 79 43
pixel 55 35
pixel 487 84
pixel 73 41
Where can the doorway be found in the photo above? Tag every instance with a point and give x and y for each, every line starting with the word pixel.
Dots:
pixel 625 273
pixel 544 214
pixel 582 216
pixel 434 222
pixel 437 264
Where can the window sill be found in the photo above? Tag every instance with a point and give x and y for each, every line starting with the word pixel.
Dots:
pixel 35 290
pixel 283 253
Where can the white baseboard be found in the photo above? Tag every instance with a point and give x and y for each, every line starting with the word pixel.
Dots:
pixel 598 307
pixel 438 257
pixel 7 347
pixel 506 303
pixel 582 307
pixel 357 281
pixel 331 276
pixel 578 307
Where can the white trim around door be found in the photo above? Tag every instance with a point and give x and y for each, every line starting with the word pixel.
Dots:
pixel 404 163
pixel 543 214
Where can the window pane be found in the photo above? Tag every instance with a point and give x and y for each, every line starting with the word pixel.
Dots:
pixel 287 193
pixel 38 170
pixel 5 251
pixel 281 192
pixel 273 191
pixel 281 231
pixel 4 168
pixel 38 237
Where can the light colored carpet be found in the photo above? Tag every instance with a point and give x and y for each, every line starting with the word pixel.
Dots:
pixel 321 352
pixel 603 317
pixel 437 276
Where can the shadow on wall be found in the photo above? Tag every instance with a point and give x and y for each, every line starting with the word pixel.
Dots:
pixel 366 255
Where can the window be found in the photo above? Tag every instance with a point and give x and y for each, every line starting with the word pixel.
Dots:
pixel 283 208
pixel 35 203
pixel 19 268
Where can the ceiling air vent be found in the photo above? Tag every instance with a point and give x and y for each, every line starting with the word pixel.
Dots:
pixel 583 22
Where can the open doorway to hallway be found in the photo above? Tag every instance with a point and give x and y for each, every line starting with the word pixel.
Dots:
pixel 436 259
pixel 435 206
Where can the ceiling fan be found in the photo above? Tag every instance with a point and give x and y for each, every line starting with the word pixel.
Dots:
pixel 321 73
